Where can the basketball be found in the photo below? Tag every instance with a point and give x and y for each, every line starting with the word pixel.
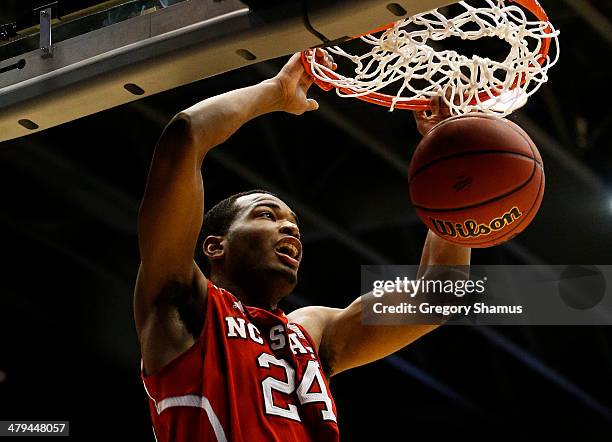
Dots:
pixel 476 180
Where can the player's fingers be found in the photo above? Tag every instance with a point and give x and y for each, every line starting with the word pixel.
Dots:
pixel 434 105
pixel 420 115
pixel 295 58
pixel 443 108
pixel 312 104
pixel 294 65
pixel 445 111
pixel 320 53
pixel 323 57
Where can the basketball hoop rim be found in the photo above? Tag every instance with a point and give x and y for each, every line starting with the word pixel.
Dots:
pixel 422 104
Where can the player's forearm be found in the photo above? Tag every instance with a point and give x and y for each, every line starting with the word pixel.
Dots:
pixel 437 252
pixel 379 341
pixel 442 260
pixel 215 119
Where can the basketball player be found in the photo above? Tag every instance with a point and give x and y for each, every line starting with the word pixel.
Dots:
pixel 221 362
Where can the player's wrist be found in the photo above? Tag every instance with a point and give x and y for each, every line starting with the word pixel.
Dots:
pixel 273 95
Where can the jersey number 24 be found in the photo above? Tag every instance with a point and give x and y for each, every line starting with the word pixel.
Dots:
pixel 311 374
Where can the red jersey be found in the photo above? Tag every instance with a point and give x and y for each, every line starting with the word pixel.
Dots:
pixel 250 376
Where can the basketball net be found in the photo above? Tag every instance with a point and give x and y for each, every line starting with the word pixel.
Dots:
pixel 402 57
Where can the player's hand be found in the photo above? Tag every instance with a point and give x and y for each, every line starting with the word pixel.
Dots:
pixel 426 120
pixel 294 82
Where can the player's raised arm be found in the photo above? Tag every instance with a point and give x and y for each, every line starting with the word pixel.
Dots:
pixel 172 208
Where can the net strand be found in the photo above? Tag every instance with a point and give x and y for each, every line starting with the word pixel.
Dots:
pixel 466 84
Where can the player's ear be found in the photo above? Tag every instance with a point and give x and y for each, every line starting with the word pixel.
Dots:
pixel 213 247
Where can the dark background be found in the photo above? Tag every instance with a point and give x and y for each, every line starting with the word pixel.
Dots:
pixel 70 195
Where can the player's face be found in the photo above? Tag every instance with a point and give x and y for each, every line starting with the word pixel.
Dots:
pixel 264 241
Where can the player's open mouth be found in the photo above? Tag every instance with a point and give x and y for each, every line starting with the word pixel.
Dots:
pixel 289 251
pixel 288 259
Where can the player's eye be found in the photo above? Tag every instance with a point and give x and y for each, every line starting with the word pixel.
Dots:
pixel 267 214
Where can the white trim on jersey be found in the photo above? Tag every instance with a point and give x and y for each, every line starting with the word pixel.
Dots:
pixel 189 400
pixel 192 400
pixel 296 329
pixel 144 384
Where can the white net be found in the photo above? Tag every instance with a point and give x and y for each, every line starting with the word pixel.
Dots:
pixel 403 56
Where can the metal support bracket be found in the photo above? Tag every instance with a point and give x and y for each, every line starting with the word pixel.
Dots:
pixel 46 48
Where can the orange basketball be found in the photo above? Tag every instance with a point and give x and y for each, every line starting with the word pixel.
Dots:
pixel 476 180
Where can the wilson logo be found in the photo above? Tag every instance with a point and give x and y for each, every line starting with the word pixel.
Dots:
pixel 471 229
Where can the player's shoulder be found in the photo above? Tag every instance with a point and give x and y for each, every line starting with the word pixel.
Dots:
pixel 312 312
pixel 314 319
